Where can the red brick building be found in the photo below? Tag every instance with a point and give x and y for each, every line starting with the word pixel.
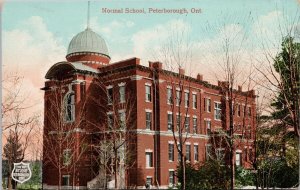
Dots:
pixel 137 111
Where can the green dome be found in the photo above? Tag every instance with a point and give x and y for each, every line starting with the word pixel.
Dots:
pixel 88 41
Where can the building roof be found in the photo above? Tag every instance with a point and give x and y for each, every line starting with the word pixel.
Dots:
pixel 65 67
pixel 88 41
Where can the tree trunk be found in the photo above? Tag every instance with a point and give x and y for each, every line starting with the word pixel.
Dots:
pixel 184 174
pixel 9 177
pixel 116 181
pixel 59 178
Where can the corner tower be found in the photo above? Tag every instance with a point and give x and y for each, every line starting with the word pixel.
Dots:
pixel 88 48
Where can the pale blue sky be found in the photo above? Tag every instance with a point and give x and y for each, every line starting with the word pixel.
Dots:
pixel 65 19
pixel 36 34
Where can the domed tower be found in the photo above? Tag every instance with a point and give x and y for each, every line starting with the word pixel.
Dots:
pixel 88 48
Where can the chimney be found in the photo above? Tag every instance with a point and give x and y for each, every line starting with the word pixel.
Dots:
pixel 155 65
pixel 199 77
pixel 181 71
pixel 240 88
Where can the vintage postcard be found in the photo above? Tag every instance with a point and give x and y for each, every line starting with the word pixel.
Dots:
pixel 158 94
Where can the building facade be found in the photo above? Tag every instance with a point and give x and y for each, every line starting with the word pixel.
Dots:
pixel 121 124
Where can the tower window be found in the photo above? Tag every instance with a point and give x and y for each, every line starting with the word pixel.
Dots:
pixel 122 94
pixel 69 107
pixel 148 93
pixel 194 101
pixel 148 120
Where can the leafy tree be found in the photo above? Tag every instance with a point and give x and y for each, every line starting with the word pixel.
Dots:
pixel 287 65
pixel 244 177
pixel 209 175
pixel 13 152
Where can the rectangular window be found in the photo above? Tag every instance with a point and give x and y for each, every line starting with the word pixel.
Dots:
pixel 208 127
pixel 170 121
pixel 239 110
pixel 149 161
pixel 122 118
pixel 220 154
pixel 148 120
pixel 245 154
pixel 217 111
pixel 178 97
pixel 195 127
pixel 169 96
pixel 178 122
pixel 109 95
pixel 188 152
pixel 208 151
pixel 122 94
pixel 148 93
pixel 249 111
pixel 110 120
pixel 238 161
pixel 171 152
pixel 187 124
pixel 171 178
pixel 194 101
pixel 207 104
pixel 66 180
pixel 178 153
pixel 149 180
pixel 251 155
pixel 196 153
pixel 186 99
pixel 67 157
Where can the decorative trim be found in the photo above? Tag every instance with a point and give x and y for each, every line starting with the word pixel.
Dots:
pixel 122 84
pixel 169 134
pixel 169 112
pixel 148 150
pixel 195 93
pixel 148 84
pixel 136 77
pixel 78 81
pixel 109 87
pixel 148 110
pixel 122 111
pixel 238 151
pixel 161 80
pixel 213 94
pixel 171 142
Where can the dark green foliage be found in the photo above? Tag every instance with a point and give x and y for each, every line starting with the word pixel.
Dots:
pixel 12 150
pixel 210 175
pixel 244 177
pixel 287 65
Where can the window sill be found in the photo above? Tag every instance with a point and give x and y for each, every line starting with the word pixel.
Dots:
pixel 148 101
pixel 149 167
pixel 170 161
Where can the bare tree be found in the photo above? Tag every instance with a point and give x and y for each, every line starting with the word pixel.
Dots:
pixel 114 135
pixel 230 56
pixel 176 55
pixel 18 125
pixel 64 133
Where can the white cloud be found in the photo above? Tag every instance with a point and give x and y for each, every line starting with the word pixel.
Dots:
pixel 30 51
pixel 148 41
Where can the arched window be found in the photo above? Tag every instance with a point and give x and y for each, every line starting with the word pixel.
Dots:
pixel 69 105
